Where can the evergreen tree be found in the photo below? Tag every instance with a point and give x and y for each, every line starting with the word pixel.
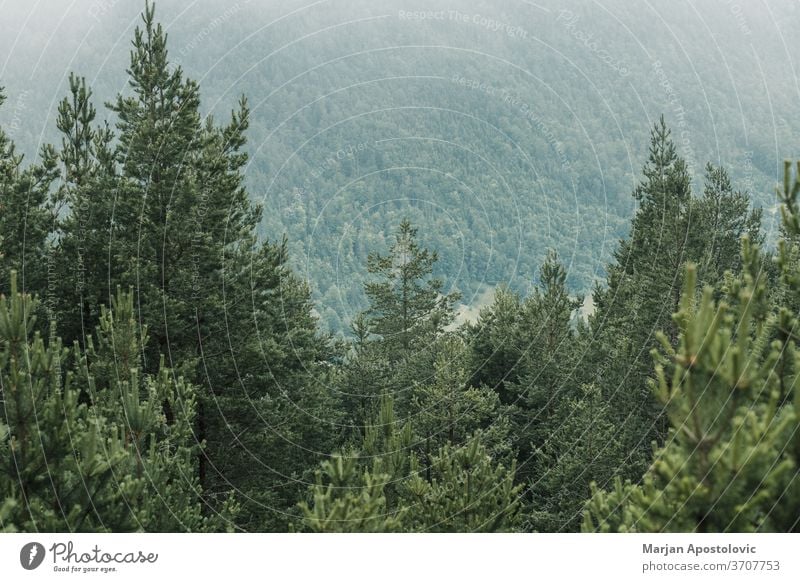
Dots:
pixel 723 217
pixel 407 313
pixel 466 492
pixel 545 337
pixel 99 447
pixel 62 467
pixel 26 216
pixel 670 227
pixel 465 489
pixel 159 143
pixel 6 509
pixel 447 411
pixel 270 413
pixel 222 306
pixel 362 486
pixel 85 233
pixel 581 449
pixel 526 350
pixel 730 389
pixel 357 376
pixel 207 399
pixel 643 287
pixel 496 357
pixel 344 501
pixel 407 307
pixel 157 416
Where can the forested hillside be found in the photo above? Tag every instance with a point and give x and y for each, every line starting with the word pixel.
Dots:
pixel 171 282
pixel 500 129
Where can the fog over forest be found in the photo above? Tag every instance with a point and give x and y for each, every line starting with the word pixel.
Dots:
pixel 523 124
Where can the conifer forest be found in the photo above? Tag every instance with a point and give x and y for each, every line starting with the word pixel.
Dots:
pixel 400 266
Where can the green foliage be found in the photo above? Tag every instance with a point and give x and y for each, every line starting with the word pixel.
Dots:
pixel 84 233
pixel 582 448
pixel 670 227
pixel 25 214
pixel 407 308
pixel 360 488
pixel 545 338
pixel 102 447
pixel 157 414
pixel 408 313
pixel 467 492
pixel 496 356
pixel 724 217
pixel 731 461
pixel 384 488
pixel 6 509
pixel 62 467
pixel 159 205
pixel 500 425
pixel 525 350
pixel 447 410
pixel 346 502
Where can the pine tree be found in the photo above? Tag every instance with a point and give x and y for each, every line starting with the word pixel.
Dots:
pixel 98 444
pixel 524 349
pixel 62 467
pixel 382 486
pixel 222 306
pixel 6 510
pixel 159 137
pixel 545 337
pixel 361 486
pixel 346 501
pixel 644 284
pixel 496 358
pixel 156 414
pixel 466 492
pixel 581 449
pixel 356 376
pixel 447 411
pixel 407 307
pixel 85 234
pixel 407 313
pixel 26 216
pixel 731 393
pixel 722 217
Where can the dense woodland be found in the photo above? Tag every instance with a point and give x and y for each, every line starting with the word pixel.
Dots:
pixel 496 146
pixel 164 367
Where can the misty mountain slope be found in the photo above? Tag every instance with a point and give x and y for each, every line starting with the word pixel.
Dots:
pixel 499 128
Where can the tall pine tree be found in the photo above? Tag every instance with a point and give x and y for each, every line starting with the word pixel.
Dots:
pixel 732 396
pixel 221 306
pixel 407 313
pixel 670 227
